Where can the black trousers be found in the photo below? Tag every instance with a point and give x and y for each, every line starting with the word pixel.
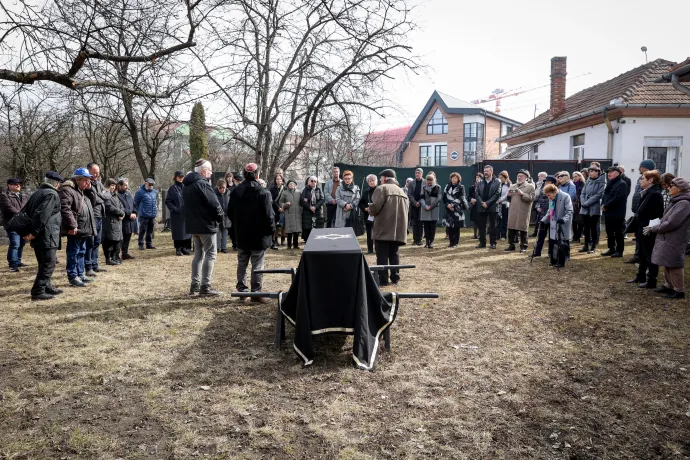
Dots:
pixel 592 229
pixel 638 236
pixel 542 230
pixel 417 231
pixel 646 244
pixel 562 254
pixel 453 235
pixel 370 242
pixel 504 221
pixel 387 254
pixel 126 237
pixel 293 240
pixel 483 218
pixel 231 234
pixel 578 229
pixel 331 210
pixel 513 238
pixel 46 259
pixel 614 233
pixel 111 249
pixel 185 244
pixel 430 231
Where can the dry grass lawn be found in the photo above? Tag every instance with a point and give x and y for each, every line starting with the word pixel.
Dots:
pixel 514 361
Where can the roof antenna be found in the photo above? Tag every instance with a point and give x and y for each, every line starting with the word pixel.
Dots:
pixel 644 48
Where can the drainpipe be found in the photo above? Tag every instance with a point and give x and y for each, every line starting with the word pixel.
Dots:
pixel 675 82
pixel 609 147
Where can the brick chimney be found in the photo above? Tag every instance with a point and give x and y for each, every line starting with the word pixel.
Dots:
pixel 558 73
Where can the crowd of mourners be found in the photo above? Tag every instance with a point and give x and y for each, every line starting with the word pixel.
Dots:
pixel 245 214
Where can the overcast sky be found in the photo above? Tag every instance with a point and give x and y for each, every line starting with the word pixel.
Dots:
pixel 471 48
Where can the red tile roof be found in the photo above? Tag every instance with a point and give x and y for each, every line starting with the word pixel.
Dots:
pixel 633 87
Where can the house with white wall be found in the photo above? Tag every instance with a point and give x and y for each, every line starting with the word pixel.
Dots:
pixel 632 117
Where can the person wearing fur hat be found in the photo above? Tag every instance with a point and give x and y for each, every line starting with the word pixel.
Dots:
pixel 672 238
pixel 590 208
pixel 521 197
pixel 289 204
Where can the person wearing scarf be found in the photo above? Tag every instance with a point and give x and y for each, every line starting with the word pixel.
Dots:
pixel 455 203
pixel 429 205
pixel 347 198
pixel 521 195
pixel 311 201
pixel 649 207
pixel 414 194
pixel 558 218
pixel 289 205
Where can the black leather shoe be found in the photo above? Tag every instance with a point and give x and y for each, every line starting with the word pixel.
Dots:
pixel 663 290
pixel 617 255
pixel 675 295
pixel 493 246
pixel 194 288
pixel 43 296
pixel 634 281
pixel 584 249
pixel 608 253
pixel 480 246
pixel 634 260
pixel 510 248
pixel 648 285
pixel 54 291
pixel 207 290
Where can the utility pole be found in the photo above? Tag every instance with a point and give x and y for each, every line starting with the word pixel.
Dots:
pixel 535 111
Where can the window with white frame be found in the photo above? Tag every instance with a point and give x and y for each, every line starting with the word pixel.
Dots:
pixel 433 155
pixel 577 150
pixel 438 124
pixel 664 151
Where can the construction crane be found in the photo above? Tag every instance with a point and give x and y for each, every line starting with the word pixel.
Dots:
pixel 498 94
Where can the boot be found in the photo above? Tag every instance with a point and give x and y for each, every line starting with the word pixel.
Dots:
pixel 186 251
pixel 91 273
pixel 650 284
pixel 675 295
pixel 44 296
pixel 593 249
pixel 511 247
pixel 127 256
pixel 207 290
pixel 663 290
pixel 608 253
pixel 635 281
pixel 584 248
pixel 194 288
pixel 76 282
pixel 178 251
pixel 53 291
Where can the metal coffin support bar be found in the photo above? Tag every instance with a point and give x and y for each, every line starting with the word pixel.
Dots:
pixel 280 321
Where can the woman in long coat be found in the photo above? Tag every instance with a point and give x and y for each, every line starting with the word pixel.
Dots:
pixel 346 199
pixel 224 227
pixel 289 204
pixel 559 218
pixel 578 221
pixel 472 194
pixel 175 203
pixel 277 188
pixel 429 209
pixel 672 238
pixel 521 197
pixel 455 205
pixel 311 201
pixel 129 223
pixel 112 224
pixel 368 197
pixel 651 206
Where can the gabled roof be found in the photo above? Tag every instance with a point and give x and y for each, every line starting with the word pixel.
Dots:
pixel 451 105
pixel 636 87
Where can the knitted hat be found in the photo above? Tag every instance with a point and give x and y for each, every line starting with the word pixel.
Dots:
pixel 649 164
pixel 388 173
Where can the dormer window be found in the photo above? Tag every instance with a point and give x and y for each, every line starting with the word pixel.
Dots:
pixel 438 124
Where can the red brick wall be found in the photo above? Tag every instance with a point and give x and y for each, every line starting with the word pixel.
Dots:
pixel 492 130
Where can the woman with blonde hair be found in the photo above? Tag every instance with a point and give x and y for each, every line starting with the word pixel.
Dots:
pixel 430 201
pixel 504 204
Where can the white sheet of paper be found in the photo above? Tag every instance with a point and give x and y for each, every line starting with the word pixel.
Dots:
pixel 654 222
pixel 371 218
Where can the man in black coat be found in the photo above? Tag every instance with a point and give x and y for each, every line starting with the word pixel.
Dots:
pixel 11 202
pixel 415 192
pixel 487 193
pixel 173 200
pixel 44 210
pixel 202 214
pixel 129 223
pixel 252 217
pixel 95 194
pixel 613 206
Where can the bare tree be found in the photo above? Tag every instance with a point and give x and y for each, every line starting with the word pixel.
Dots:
pixel 39 135
pixel 70 42
pixel 293 69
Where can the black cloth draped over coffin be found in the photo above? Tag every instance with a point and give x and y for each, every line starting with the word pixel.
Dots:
pixel 334 292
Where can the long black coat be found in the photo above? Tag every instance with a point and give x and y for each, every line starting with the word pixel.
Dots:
pixel 224 201
pixel 615 199
pixel 44 209
pixel 309 217
pixel 129 226
pixel 251 212
pixel 175 203
pixel 112 228
pixel 275 197
pixel 202 212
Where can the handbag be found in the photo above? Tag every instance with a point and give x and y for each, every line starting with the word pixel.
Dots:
pixel 354 220
pixel 631 225
pixel 20 224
